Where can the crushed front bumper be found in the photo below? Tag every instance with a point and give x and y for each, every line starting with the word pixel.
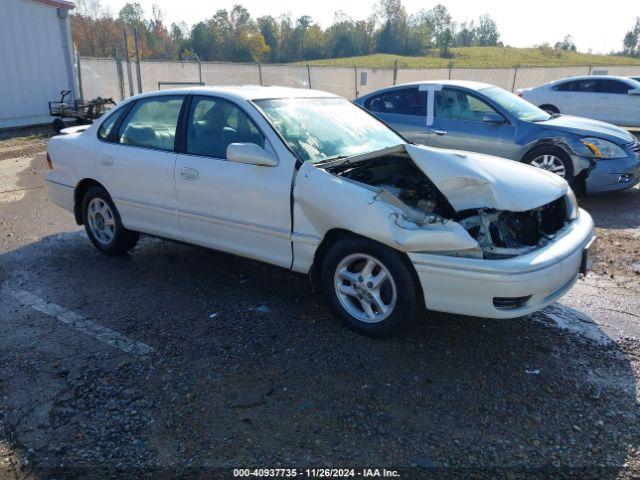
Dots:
pixel 485 288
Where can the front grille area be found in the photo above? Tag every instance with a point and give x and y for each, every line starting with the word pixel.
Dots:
pixel 634 147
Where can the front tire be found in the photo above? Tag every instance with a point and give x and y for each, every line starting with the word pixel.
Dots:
pixel 103 225
pixel 553 160
pixel 370 287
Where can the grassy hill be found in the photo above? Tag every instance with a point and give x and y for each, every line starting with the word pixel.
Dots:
pixel 482 57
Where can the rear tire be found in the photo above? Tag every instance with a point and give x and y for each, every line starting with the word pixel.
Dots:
pixel 370 287
pixel 552 159
pixel 551 109
pixel 103 225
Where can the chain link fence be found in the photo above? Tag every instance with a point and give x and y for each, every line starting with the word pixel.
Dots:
pixel 118 79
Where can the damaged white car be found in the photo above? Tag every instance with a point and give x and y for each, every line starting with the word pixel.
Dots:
pixel 307 181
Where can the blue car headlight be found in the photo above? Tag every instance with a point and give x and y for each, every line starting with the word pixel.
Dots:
pixel 603 149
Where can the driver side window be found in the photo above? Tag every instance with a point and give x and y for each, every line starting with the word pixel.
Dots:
pixel 458 105
pixel 214 124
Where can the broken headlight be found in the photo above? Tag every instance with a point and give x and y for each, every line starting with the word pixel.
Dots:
pixel 603 149
pixel 572 205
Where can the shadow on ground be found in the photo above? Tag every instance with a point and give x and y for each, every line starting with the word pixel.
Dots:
pixel 250 369
pixel 617 210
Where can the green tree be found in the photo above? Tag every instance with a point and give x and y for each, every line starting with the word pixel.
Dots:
pixel 270 31
pixel 288 49
pixel 440 27
pixel 487 32
pixel 131 14
pixel 392 36
pixel 302 25
pixel 206 41
pixel 466 36
pixel 566 44
pixel 632 40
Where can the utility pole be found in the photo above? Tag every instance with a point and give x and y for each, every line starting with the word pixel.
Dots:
pixel 126 50
pixel 120 74
pixel 135 43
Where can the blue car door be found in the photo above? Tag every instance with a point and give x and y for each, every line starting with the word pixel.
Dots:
pixel 464 121
pixel 404 110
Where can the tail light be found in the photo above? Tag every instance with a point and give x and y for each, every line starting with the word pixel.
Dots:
pixel 49 164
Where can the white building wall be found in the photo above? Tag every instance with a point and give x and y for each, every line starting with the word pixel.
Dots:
pixel 35 61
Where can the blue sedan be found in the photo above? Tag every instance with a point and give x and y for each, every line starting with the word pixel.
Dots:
pixel 483 118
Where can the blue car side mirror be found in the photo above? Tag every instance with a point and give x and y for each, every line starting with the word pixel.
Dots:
pixel 493 117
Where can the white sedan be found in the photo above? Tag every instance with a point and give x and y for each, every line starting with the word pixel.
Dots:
pixel 602 97
pixel 307 181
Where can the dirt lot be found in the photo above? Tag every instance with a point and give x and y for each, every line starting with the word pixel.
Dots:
pixel 177 361
pixel 23 142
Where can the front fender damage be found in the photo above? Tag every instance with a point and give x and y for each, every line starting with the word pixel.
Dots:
pixel 323 202
pixel 415 199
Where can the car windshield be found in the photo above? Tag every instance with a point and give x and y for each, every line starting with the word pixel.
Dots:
pixel 322 129
pixel 515 105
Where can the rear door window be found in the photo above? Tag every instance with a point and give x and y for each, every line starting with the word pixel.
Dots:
pixel 107 126
pixel 613 86
pixel 152 123
pixel 577 86
pixel 403 101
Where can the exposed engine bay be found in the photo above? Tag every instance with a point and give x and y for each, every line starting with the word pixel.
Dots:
pixel 500 234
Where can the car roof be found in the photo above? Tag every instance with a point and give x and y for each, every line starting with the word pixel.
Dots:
pixel 244 92
pixel 470 84
pixel 590 77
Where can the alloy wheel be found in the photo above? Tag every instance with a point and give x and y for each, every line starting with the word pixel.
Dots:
pixel 101 220
pixel 365 288
pixel 551 163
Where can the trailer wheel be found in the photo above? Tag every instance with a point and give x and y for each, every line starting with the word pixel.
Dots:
pixel 58 124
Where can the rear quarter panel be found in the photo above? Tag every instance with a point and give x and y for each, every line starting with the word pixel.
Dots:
pixel 535 96
pixel 73 157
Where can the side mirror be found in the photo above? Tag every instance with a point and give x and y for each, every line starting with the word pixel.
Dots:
pixel 493 117
pixel 634 91
pixel 251 154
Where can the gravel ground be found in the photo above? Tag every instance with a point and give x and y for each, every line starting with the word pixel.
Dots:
pixel 249 369
pixel 26 141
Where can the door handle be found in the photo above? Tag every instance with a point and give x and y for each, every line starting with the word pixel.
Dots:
pixel 440 132
pixel 191 174
pixel 106 160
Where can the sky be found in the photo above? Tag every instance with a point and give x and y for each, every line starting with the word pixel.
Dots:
pixel 596 26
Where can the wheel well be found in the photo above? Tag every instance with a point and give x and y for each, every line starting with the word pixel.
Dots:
pixel 551 148
pixel 336 234
pixel 329 239
pixel 78 195
pixel 546 148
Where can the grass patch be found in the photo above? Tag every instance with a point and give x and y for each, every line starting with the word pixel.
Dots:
pixel 483 57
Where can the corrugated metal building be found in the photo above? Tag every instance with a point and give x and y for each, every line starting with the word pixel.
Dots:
pixel 36 59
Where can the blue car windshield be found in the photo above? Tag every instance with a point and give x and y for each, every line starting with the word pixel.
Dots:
pixel 515 105
pixel 323 129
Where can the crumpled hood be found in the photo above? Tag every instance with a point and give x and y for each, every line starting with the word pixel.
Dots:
pixel 589 128
pixel 473 180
